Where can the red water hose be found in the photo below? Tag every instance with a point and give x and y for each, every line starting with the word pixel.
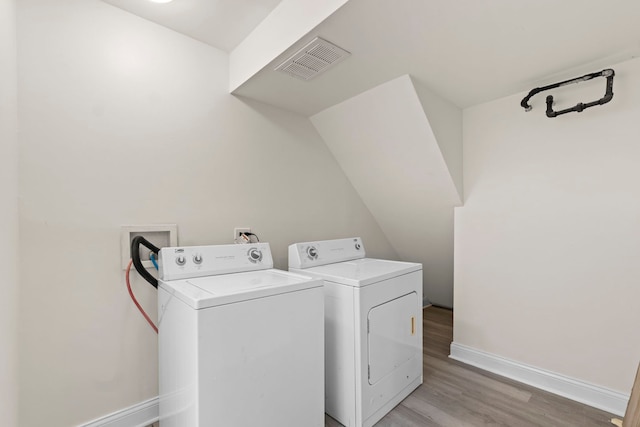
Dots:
pixel 135 301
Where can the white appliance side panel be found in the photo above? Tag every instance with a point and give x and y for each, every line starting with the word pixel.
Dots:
pixel 393 335
pixel 399 383
pixel 261 361
pixel 340 353
pixel 177 360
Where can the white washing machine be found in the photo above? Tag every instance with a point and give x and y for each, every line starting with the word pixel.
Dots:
pixel 240 343
pixel 373 327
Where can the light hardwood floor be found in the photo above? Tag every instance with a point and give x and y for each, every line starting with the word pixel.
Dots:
pixel 457 395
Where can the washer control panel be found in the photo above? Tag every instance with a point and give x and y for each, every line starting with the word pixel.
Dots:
pixel 196 261
pixel 312 254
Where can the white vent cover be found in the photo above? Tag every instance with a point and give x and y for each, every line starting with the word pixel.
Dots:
pixel 313 59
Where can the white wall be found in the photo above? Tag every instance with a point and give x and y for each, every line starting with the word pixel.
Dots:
pixel 8 216
pixel 445 120
pixel 386 145
pixel 125 122
pixel 547 245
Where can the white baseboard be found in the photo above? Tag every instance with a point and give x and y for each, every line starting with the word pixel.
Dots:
pixel 146 413
pixel 140 415
pixel 580 391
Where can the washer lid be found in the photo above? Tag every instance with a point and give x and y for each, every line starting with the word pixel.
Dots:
pixel 210 291
pixel 361 272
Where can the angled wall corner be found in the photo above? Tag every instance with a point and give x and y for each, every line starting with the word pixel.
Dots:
pixel 445 120
pixel 9 220
pixel 387 147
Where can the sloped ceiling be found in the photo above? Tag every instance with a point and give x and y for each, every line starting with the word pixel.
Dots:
pixel 467 51
pixel 219 23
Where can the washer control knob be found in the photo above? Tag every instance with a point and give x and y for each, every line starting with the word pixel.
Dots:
pixel 358 246
pixel 197 259
pixel 312 252
pixel 181 260
pixel 255 255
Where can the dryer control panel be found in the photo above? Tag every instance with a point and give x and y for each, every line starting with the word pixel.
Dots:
pixel 313 254
pixel 184 262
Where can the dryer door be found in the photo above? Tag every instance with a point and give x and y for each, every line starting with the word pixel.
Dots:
pixel 393 335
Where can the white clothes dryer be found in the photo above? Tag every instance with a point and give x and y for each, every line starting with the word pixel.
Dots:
pixel 240 343
pixel 373 327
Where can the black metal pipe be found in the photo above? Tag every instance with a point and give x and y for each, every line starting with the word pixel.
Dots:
pixel 608 73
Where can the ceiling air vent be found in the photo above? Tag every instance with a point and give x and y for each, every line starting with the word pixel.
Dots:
pixel 313 59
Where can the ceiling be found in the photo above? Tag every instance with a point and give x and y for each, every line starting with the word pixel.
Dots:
pixel 467 51
pixel 219 23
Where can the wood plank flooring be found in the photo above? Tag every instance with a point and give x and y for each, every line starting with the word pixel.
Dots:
pixel 457 395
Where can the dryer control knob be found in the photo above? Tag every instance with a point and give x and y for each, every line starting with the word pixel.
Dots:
pixel 358 246
pixel 255 255
pixel 181 260
pixel 312 253
pixel 197 259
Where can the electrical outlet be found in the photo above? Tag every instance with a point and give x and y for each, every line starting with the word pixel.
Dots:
pixel 161 235
pixel 238 231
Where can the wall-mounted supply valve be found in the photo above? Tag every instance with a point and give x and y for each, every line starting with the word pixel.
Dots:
pixel 608 73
